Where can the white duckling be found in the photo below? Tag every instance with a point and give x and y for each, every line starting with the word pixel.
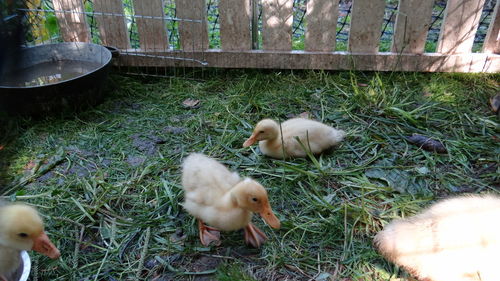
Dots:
pixel 456 239
pixel 220 198
pixel 314 135
pixel 21 228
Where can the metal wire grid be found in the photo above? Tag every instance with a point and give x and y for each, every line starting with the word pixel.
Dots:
pixel 298 29
pixel 44 28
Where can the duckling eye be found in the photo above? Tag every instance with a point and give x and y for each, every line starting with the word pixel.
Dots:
pixel 23 235
pixel 261 132
pixel 255 199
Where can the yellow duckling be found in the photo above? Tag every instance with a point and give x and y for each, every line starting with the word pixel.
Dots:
pixel 21 228
pixel 456 239
pixel 315 136
pixel 220 198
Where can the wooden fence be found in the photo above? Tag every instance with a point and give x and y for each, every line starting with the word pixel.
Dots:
pixel 453 53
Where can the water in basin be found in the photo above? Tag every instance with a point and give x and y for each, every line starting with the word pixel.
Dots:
pixel 48 73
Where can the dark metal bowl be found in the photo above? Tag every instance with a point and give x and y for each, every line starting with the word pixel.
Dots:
pixel 55 78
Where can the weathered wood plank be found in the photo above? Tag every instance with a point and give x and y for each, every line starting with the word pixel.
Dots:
pixel 459 26
pixel 366 25
pixel 321 18
pixel 152 31
pixel 492 41
pixel 235 32
pixel 277 21
pixel 427 62
pixel 412 24
pixel 112 27
pixel 72 22
pixel 193 32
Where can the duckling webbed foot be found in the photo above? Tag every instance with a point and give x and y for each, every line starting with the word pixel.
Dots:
pixel 208 234
pixel 254 236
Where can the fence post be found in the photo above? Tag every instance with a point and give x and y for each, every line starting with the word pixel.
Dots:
pixel 321 31
pixel 112 26
pixel 152 31
pixel 366 24
pixel 459 26
pixel 72 21
pixel 277 21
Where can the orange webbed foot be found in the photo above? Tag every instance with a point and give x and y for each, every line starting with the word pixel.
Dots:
pixel 208 234
pixel 254 236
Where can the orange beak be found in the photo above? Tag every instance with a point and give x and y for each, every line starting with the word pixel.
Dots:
pixel 251 140
pixel 43 245
pixel 267 214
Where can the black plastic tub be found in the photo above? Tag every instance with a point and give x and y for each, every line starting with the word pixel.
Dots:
pixel 55 78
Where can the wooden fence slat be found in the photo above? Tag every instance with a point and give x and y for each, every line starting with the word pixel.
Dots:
pixel 72 24
pixel 459 26
pixel 235 32
pixel 113 28
pixel 492 41
pixel 193 35
pixel 277 21
pixel 366 25
pixel 412 25
pixel 321 18
pixel 152 31
pixel 428 62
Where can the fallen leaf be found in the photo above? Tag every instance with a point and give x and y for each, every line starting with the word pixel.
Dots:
pixel 495 103
pixel 191 103
pixel 399 180
pixel 362 84
pixel 427 143
pixel 427 94
pixel 305 115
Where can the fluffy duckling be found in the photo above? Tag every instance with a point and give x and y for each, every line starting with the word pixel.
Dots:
pixel 21 228
pixel 220 198
pixel 456 239
pixel 314 135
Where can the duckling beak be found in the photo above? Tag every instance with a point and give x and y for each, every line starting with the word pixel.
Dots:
pixel 251 140
pixel 268 216
pixel 43 245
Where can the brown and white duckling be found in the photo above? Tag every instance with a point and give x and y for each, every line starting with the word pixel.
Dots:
pixel 220 198
pixel 274 141
pixel 21 228
pixel 456 239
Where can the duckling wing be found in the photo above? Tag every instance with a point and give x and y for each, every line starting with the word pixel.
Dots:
pixel 9 260
pixel 312 134
pixel 205 180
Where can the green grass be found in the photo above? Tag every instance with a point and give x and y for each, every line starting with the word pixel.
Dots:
pixel 108 180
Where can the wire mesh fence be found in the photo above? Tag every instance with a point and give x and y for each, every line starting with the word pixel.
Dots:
pixel 44 26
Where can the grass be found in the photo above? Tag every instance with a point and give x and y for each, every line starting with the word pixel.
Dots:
pixel 107 180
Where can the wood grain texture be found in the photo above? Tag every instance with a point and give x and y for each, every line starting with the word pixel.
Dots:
pixel 72 22
pixel 321 18
pixel 412 24
pixel 366 25
pixel 277 21
pixel 427 62
pixel 152 31
pixel 193 33
pixel 112 27
pixel 235 31
pixel 492 41
pixel 459 26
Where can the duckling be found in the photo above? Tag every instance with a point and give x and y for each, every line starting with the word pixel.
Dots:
pixel 21 228
pixel 220 198
pixel 456 239
pixel 313 135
